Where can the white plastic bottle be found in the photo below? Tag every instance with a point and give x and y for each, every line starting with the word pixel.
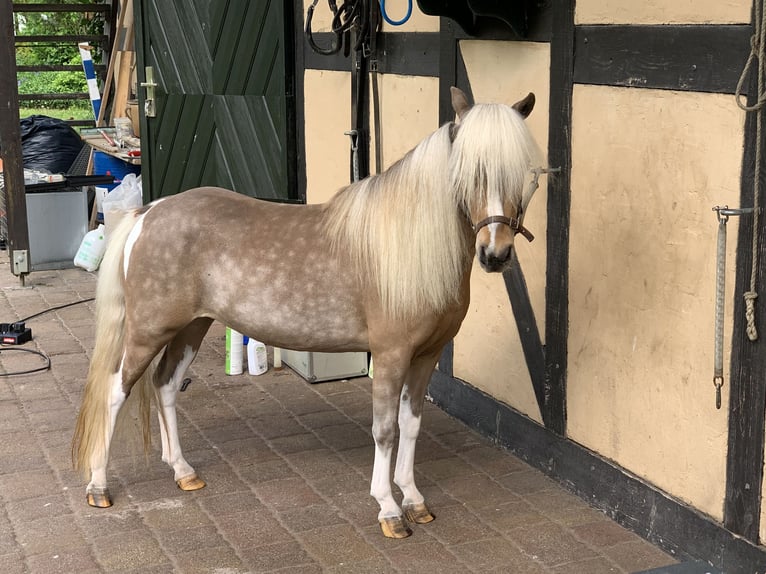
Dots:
pixel 91 249
pixel 257 361
pixel 233 352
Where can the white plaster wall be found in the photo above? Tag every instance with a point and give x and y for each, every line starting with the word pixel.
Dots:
pixel 648 166
pixel 488 351
pixel 663 11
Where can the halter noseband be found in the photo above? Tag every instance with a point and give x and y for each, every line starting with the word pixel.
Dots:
pixel 513 223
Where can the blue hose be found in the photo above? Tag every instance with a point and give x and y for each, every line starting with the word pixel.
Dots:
pixel 395 22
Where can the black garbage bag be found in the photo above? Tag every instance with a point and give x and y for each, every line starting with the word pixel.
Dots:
pixel 48 144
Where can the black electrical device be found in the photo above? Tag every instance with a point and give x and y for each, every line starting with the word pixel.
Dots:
pixel 15 333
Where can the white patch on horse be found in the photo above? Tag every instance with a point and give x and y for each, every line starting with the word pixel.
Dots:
pixel 404 474
pixel 494 207
pixel 171 445
pixel 132 238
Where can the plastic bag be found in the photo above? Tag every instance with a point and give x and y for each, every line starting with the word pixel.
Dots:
pixel 127 195
pixel 48 144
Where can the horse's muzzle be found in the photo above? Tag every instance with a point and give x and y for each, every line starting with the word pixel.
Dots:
pixel 494 261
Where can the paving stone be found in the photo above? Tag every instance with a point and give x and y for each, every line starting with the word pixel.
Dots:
pixel 321 419
pixel 296 443
pixel 36 508
pixel 550 544
pixel 13 563
pixel 53 534
pixel 317 464
pixel 232 503
pixel 251 528
pixel 527 482
pixel 344 436
pixel 336 545
pixel 286 556
pixel 637 555
pixel 341 484
pixel 287 494
pixel 443 468
pixel 221 559
pixel 425 557
pixel 310 517
pixel 455 524
pixel 489 552
pixel 478 488
pixel 602 533
pixel 260 472
pixel 79 560
pixel 172 513
pixel 274 425
pixel 129 550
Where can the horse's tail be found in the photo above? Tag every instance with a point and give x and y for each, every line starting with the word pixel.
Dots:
pixel 93 428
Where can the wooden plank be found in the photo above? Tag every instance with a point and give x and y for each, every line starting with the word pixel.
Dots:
pixel 10 136
pixel 57 68
pixel 706 58
pixel 104 7
pixel 747 393
pixel 529 335
pixel 110 69
pixel 63 39
pixel 27 97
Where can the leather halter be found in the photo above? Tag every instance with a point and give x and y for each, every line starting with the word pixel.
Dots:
pixel 513 223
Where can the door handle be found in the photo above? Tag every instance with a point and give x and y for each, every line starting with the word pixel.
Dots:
pixel 149 106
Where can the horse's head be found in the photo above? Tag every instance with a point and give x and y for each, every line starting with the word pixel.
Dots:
pixel 492 154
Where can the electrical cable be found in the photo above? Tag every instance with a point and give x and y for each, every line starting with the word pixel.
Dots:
pixel 64 306
pixel 46 358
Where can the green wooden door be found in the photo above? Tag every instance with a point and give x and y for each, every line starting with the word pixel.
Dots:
pixel 223 102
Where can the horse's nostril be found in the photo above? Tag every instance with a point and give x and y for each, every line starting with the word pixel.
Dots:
pixel 483 255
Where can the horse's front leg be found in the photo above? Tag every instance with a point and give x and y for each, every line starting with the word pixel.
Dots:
pixel 386 386
pixel 410 413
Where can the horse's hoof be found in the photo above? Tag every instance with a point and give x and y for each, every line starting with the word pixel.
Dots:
pixel 99 498
pixel 395 527
pixel 191 482
pixel 418 513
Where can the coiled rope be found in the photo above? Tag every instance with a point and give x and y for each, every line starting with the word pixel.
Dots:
pixel 757 50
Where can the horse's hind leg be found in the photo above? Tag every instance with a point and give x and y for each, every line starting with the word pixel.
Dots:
pixel 177 357
pixel 134 362
pixel 410 412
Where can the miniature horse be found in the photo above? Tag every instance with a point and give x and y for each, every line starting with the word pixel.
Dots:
pixel 384 267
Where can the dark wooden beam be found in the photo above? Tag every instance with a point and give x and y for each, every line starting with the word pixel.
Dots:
pixel 62 39
pixel 705 58
pixel 529 335
pixel 105 7
pixel 557 264
pixel 58 68
pixel 747 393
pixel 10 141
pixel 27 97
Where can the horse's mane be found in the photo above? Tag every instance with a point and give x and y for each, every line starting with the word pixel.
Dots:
pixel 404 229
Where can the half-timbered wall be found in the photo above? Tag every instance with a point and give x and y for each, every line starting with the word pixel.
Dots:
pixel 594 359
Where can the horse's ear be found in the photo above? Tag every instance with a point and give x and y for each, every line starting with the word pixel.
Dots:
pixel 459 102
pixel 524 107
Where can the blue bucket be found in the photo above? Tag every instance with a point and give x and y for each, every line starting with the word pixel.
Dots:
pixel 105 164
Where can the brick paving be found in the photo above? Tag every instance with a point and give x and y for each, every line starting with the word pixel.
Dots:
pixel 287 465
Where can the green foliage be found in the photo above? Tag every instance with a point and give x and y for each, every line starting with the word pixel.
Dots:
pixel 55 23
pixel 51 53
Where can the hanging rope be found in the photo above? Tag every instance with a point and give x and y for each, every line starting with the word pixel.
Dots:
pixel 757 50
